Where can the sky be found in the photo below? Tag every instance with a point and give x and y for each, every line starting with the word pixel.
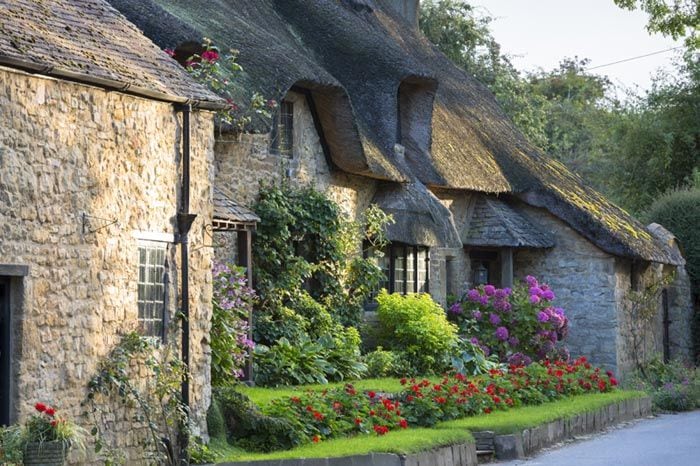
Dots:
pixel 539 33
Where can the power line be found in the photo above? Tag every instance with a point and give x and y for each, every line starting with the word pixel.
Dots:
pixel 633 58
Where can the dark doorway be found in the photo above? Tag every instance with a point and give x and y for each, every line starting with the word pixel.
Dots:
pixel 5 351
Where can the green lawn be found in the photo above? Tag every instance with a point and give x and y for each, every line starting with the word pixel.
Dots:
pixel 418 439
pixel 262 396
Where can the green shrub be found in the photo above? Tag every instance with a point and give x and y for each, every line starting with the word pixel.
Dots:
pixel 335 356
pixel 673 386
pixel 215 420
pixel 380 363
pixel 252 430
pixel 417 326
pixel 317 319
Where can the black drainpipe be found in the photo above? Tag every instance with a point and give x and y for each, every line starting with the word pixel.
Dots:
pixel 184 222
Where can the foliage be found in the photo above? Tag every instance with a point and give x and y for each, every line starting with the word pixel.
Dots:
pixel 200 453
pixel 154 400
pixel 517 325
pixel 332 357
pixel 416 326
pixel 675 18
pixel 215 420
pixel 640 308
pixel 320 415
pixel 44 425
pixel 250 428
pixel 469 359
pixel 673 386
pixel 312 286
pixel 232 303
pixel 381 363
pixel 216 71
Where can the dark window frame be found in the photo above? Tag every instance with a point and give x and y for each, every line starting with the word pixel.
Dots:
pixel 401 250
pixel 283 130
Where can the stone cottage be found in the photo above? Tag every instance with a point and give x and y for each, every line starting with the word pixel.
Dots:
pixel 371 112
pixel 106 149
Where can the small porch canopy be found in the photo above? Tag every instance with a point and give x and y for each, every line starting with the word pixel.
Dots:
pixel 419 217
pixel 492 223
pixel 230 216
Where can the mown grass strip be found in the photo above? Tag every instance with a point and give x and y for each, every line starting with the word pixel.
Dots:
pixel 445 433
pixel 507 422
pixel 262 396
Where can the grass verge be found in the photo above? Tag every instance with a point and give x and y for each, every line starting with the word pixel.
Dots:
pixel 445 433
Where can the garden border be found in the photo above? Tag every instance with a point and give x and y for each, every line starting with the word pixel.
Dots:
pixel 505 446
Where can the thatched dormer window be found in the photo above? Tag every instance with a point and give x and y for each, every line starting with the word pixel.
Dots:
pixel 406 268
pixel 414 115
pixel 283 131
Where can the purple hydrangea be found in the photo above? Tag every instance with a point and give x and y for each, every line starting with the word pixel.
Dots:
pixel 474 341
pixel 500 293
pixel 494 319
pixel 476 315
pixel 507 291
pixel 519 359
pixel 486 350
pixel 543 316
pixel 534 299
pixel 513 341
pixel 484 300
pixel 473 295
pixel 501 333
pixel 536 291
pixel 531 281
pixel 548 295
pixel 456 308
pixel 490 290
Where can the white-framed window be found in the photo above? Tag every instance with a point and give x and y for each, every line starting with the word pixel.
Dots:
pixel 152 282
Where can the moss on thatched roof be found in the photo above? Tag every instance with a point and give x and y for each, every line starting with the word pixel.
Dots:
pixel 364 51
pixel 88 40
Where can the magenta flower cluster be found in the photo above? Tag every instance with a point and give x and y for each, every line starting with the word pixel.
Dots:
pixel 519 324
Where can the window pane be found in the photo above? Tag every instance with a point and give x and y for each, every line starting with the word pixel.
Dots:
pixel 151 289
pixel 399 269
pixel 423 270
pixel 410 270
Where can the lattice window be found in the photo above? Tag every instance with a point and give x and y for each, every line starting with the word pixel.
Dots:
pixel 283 142
pixel 151 288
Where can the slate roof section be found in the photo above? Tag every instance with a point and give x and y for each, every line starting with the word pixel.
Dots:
pixel 419 217
pixel 493 223
pixel 363 51
pixel 227 209
pixel 90 41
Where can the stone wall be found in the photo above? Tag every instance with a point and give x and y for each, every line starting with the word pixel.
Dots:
pixel 67 150
pixel 245 163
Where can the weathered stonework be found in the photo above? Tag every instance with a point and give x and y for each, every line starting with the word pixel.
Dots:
pixel 68 150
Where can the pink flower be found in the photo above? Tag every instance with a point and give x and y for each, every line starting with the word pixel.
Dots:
pixel 210 56
pixel 534 299
pixel 170 52
pixel 489 290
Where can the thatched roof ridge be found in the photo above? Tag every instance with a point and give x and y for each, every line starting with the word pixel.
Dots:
pixel 419 217
pixel 90 41
pixel 494 223
pixel 364 49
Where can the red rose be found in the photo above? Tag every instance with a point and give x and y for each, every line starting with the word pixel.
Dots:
pixel 371 394
pixel 50 411
pixel 403 423
pixel 316 439
pixel 41 407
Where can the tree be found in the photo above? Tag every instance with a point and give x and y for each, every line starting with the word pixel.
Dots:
pixel 675 18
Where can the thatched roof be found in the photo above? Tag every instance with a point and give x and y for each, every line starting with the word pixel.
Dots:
pixel 491 222
pixel 419 217
pixel 228 210
pixel 364 52
pixel 89 41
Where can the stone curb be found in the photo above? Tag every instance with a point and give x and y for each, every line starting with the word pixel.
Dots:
pixel 463 454
pixel 523 444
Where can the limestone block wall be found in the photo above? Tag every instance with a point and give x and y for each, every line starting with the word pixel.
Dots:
pixel 680 303
pixel 66 150
pixel 584 279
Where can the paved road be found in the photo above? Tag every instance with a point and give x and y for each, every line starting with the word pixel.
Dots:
pixel 668 440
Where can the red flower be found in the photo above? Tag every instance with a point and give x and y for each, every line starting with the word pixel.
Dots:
pixel 602 385
pixel 409 398
pixel 316 439
pixel 50 411
pixel 358 421
pixel 309 408
pixel 210 55
pixel 381 430
pixel 371 412
pixel 337 405
pixel 371 394
pixel 295 399
pixel 41 407
pixel 613 381
pixel 318 415
pixel 403 381
pixel 403 423
pixel 487 410
pixel 54 423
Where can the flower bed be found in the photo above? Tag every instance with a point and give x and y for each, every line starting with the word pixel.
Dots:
pixel 346 411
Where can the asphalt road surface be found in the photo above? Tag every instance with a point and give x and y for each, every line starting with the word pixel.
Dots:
pixel 667 440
